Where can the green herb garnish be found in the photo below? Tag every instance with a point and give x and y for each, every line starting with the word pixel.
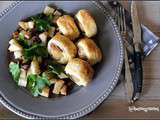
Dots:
pixel 15 71
pixel 58 70
pixel 36 83
pixel 37 50
pixel 22 41
pixel 49 18
pixel 41 24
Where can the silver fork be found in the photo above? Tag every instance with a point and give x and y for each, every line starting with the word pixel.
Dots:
pixel 121 22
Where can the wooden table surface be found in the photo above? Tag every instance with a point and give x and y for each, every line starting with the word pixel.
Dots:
pixel 116 106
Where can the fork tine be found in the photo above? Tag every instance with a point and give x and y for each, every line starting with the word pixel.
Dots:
pixel 124 20
pixel 121 19
pixel 121 22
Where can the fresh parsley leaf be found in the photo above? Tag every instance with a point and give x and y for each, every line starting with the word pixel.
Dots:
pixel 36 83
pixel 15 71
pixel 35 91
pixel 58 70
pixel 42 82
pixel 31 81
pixel 22 41
pixel 49 18
pixel 41 24
pixel 37 50
pixel 38 16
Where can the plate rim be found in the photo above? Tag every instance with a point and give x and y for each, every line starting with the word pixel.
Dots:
pixel 99 100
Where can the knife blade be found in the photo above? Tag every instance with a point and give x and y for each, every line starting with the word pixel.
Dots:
pixel 138 74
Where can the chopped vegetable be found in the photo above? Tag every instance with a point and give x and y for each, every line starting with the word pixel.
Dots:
pixel 14 46
pixel 48 10
pixel 45 92
pixel 57 13
pixel 43 37
pixel 18 54
pixel 34 68
pixel 26 25
pixel 36 84
pixel 58 86
pixel 14 69
pixel 23 78
pixel 30 24
pixel 23 25
pixel 36 50
pixel 64 90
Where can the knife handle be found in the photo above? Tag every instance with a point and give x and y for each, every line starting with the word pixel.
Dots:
pixel 138 81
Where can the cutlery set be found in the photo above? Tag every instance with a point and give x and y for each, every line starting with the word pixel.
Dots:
pixel 138 41
pixel 133 83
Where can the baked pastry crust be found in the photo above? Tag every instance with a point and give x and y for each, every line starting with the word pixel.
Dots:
pixel 68 27
pixel 88 50
pixel 86 23
pixel 61 48
pixel 80 71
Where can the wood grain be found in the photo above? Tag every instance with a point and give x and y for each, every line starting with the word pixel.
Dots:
pixel 116 106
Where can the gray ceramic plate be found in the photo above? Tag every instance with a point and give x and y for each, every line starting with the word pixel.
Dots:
pixel 79 102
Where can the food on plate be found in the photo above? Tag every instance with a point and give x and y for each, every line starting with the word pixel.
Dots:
pixel 61 48
pixel 48 10
pixel 58 86
pixel 23 78
pixel 26 25
pixel 45 92
pixel 68 27
pixel 88 50
pixel 64 90
pixel 34 67
pixel 48 54
pixel 14 46
pixel 80 71
pixel 86 22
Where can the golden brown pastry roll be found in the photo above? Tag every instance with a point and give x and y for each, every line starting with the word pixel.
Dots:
pixel 88 50
pixel 86 23
pixel 61 48
pixel 68 27
pixel 79 71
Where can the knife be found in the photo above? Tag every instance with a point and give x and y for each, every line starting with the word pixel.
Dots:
pixel 138 74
